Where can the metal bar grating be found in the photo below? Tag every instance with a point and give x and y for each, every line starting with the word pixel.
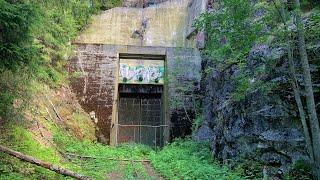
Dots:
pixel 140 119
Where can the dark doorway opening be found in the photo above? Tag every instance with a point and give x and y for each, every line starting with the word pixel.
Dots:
pixel 181 123
pixel 141 115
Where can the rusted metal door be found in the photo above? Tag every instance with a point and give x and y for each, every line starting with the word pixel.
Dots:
pixel 140 119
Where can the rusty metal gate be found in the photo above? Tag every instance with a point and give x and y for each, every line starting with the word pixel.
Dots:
pixel 140 119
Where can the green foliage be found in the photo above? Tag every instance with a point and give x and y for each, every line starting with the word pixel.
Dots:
pixel 231 30
pixel 312 28
pixel 16 22
pixel 197 123
pixel 35 43
pixel 250 169
pixel 135 171
pixel 299 170
pixel 234 29
pixel 27 145
pixel 245 85
pixel 107 4
pixel 20 139
pixel 59 22
pixel 97 167
pixel 13 92
pixel 182 159
pixel 185 159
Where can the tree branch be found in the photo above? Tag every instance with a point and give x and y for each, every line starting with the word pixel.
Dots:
pixel 43 164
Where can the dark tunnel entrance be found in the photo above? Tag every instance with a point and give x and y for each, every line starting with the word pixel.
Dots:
pixel 141 115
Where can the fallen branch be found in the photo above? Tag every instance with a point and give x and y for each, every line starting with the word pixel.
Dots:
pixel 40 163
pixel 113 159
pixel 54 109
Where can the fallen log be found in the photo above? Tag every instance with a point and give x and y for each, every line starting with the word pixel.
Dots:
pixel 40 163
pixel 107 158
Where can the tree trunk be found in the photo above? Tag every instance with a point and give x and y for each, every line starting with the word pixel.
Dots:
pixel 314 123
pixel 40 163
pixel 297 96
pixel 295 84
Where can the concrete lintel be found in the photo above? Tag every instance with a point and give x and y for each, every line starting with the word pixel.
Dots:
pixel 144 50
pixel 125 49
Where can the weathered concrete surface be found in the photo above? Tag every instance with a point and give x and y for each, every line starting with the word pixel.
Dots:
pixel 153 27
pixel 94 71
pixel 94 68
pixel 184 75
pixel 195 9
pixel 163 24
pixel 141 3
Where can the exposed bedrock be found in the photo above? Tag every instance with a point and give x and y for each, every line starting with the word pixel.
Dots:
pixel 263 127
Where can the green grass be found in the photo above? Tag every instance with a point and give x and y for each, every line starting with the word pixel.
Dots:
pixel 97 167
pixel 100 164
pixel 182 159
pixel 186 159
pixel 22 140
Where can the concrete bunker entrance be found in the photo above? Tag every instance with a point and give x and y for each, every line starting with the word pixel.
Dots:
pixel 141 108
pixel 100 69
pixel 140 115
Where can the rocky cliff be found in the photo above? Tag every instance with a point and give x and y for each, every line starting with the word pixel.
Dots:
pixel 261 126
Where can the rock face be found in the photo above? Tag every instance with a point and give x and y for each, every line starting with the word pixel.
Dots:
pixel 261 126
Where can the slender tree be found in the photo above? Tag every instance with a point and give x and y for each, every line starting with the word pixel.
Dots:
pixel 314 123
pixel 293 80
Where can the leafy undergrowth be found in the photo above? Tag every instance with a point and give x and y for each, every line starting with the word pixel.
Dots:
pixel 35 127
pixel 74 156
pixel 299 170
pixel 185 159
pixel 22 140
pixel 98 161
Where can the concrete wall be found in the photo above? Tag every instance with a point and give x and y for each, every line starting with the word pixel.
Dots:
pixel 160 25
pixel 195 9
pixel 141 3
pixel 161 29
pixel 94 70
pixel 94 74
pixel 184 74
